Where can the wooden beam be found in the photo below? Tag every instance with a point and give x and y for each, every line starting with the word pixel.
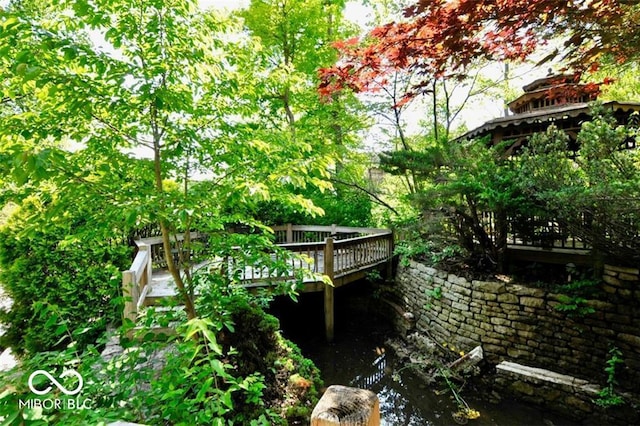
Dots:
pixel 130 293
pixel 329 290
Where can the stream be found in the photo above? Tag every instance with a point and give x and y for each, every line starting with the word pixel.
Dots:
pixel 358 357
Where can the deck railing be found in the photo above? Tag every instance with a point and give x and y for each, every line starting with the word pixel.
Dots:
pixel 316 233
pixel 334 251
pixel 535 231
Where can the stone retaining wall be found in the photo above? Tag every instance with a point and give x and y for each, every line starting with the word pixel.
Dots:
pixel 523 324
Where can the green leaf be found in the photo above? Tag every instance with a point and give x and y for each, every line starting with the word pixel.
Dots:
pixel 201 396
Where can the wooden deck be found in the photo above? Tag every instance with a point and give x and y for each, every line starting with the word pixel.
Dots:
pixel 321 254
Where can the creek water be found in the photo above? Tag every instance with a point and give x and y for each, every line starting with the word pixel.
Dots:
pixel 358 357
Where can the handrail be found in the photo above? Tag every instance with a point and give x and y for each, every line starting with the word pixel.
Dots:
pixel 345 256
pixel 333 228
pixel 135 281
pixel 314 233
pixel 330 256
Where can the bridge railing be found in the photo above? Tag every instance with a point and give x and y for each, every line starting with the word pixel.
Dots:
pixel 316 233
pixel 135 281
pixel 334 251
pixel 150 256
pixel 354 254
pixel 330 250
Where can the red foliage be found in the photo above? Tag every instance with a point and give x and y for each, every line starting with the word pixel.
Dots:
pixel 443 37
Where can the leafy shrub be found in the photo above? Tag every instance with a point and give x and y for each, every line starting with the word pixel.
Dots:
pixel 608 397
pixel 78 279
pixel 197 377
pixel 574 301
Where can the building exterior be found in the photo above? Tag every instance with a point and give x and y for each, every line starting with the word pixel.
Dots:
pixel 555 99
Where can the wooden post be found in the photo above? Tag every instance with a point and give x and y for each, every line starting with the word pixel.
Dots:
pixel 146 277
pixel 129 291
pixel 328 290
pixel 391 248
pixel 289 236
pixel 342 405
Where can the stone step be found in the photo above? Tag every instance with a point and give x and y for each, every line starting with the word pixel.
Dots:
pixel 539 376
pixel 567 395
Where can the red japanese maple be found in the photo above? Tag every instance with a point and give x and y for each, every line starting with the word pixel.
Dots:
pixel 443 37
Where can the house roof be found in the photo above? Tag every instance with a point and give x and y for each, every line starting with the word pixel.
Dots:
pixel 546 115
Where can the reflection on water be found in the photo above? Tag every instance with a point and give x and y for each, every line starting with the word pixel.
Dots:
pixel 358 358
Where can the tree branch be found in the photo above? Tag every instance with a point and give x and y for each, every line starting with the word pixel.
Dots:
pixel 366 191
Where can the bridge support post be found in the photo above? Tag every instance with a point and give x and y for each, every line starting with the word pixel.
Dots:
pixel 328 290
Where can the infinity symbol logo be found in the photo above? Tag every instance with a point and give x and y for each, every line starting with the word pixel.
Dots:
pixel 55 382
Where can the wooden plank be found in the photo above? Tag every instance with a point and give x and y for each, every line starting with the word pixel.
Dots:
pixel 130 292
pixel 140 265
pixel 329 291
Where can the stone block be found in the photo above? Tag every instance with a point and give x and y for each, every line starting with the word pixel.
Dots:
pixel 607 332
pixel 489 296
pixel 533 302
pixel 602 306
pixel 626 270
pixel 509 308
pixel 578 404
pixel 489 286
pixel 503 331
pixel 500 321
pixel 526 335
pixel 438 281
pixel 522 388
pixel 612 280
pixel 520 290
pixel 494 349
pixel 486 326
pixel 633 340
pixel 627 294
pixel 431 271
pixel 508 298
pixel 492 341
pixel 521 326
pixel 460 306
pixel 460 290
pixel 620 319
pixel 628 277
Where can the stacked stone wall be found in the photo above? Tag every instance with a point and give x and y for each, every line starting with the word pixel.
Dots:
pixel 526 325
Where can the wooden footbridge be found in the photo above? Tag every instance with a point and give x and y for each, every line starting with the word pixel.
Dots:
pixel 325 254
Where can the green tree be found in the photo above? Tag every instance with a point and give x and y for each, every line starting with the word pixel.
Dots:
pixel 595 194
pixel 168 83
pixel 296 38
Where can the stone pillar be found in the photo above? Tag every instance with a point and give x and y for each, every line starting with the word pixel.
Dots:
pixel 345 406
